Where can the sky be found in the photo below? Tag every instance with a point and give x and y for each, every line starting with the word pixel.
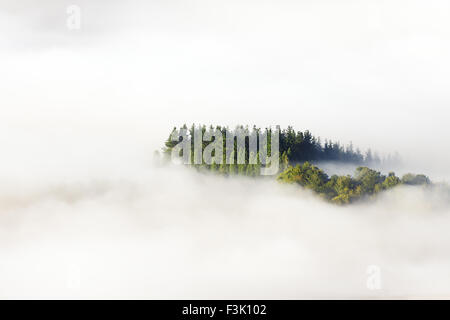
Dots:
pixel 371 72
pixel 80 107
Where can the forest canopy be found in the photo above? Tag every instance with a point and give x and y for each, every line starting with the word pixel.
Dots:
pixel 294 146
pixel 345 189
pixel 297 152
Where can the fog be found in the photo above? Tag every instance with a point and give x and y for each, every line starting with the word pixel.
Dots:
pixel 85 213
pixel 168 232
pixel 371 72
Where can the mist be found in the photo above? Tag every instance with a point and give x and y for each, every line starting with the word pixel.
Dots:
pixel 170 232
pixel 84 212
pixel 371 72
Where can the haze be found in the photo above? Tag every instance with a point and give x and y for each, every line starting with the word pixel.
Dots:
pixel 82 111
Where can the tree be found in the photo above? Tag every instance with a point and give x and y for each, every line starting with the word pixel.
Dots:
pixel 343 184
pixel 297 146
pixel 391 181
pixel 412 179
pixel 213 166
pixel 369 179
pixel 284 160
pixel 369 157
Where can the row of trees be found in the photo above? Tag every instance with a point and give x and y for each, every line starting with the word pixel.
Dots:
pixel 296 151
pixel 294 147
pixel 252 161
pixel 303 146
pixel 346 189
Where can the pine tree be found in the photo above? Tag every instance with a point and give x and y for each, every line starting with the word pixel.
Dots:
pixel 284 161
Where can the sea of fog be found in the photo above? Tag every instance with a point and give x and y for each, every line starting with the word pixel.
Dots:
pixel 152 231
pixel 84 212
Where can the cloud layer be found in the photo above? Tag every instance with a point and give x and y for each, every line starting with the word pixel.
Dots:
pixel 172 233
pixel 84 214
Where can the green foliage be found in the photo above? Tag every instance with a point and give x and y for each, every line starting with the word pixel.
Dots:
pixel 391 181
pixel 284 160
pixel 370 180
pixel 301 148
pixel 213 167
pixel 345 189
pixel 249 163
pixel 413 179
pixel 294 147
